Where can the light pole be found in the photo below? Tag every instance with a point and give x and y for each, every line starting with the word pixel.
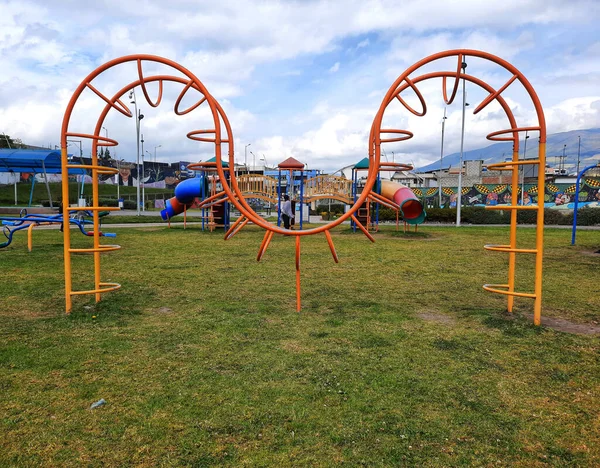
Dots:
pixel 141 180
pixel 106 130
pixel 81 161
pixel 462 143
pixel 159 146
pixel 253 160
pixel 523 168
pixel 139 117
pixel 385 155
pixel 144 186
pixel 441 157
pixel 578 153
pixel 246 156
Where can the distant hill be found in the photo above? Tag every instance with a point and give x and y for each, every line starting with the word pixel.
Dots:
pixel 590 151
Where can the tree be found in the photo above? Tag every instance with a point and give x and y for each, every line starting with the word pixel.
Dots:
pixel 6 141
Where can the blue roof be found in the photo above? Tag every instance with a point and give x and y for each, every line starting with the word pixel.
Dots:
pixel 26 160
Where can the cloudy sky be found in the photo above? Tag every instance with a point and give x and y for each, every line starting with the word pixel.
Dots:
pixel 302 78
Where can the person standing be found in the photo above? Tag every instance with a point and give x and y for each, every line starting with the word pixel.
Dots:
pixel 286 211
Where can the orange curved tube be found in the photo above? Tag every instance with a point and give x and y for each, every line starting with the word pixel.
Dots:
pixel 332 247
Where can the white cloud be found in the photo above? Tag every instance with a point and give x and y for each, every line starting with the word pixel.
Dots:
pixel 267 63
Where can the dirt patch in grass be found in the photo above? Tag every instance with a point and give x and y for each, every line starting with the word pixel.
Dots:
pixel 566 326
pixel 419 235
pixel 437 317
pixel 591 253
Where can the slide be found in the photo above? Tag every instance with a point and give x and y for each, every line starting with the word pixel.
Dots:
pixel 410 206
pixel 185 192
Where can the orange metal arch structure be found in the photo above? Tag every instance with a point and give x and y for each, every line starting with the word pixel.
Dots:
pixel 404 82
pixel 216 135
pixel 219 136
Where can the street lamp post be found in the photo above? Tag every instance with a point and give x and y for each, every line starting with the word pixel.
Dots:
pixel 578 153
pixel 141 180
pixel 246 156
pixel 441 158
pixel 139 117
pixel 462 143
pixel 106 130
pixel 159 146
pixel 253 160
pixel 81 161
pixel 523 168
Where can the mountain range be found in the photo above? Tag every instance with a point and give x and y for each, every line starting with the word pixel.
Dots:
pixel 556 145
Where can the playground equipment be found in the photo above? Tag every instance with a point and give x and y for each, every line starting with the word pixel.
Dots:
pixel 576 203
pixel 90 85
pixel 294 167
pixel 212 202
pixel 36 163
pixel 406 81
pixel 220 135
pixel 30 221
pixel 393 195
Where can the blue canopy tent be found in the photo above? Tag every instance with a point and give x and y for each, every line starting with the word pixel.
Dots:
pixel 33 161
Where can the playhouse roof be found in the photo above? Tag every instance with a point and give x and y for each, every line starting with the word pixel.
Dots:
pixel 224 163
pixel 362 164
pixel 290 163
pixel 36 161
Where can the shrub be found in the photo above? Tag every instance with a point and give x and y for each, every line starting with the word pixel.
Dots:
pixel 588 216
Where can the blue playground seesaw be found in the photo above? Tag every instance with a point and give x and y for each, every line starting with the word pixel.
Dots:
pixel 10 225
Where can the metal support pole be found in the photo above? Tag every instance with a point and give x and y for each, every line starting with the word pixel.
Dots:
pixel 576 203
pixel 578 152
pixel 441 158
pixel 301 196
pixel 462 142
pixel 31 194
pixel 279 200
pixel 141 179
pixel 47 185
pixel 523 169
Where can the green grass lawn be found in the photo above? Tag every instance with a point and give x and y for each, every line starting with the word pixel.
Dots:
pixel 398 357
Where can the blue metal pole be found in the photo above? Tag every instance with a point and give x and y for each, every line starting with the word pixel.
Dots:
pixel 202 190
pixel 301 196
pixel 576 204
pixel 32 186
pixel 279 199
pixel 354 190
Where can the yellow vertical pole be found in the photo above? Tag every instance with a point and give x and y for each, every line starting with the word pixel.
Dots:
pixel 29 237
pixel 512 256
pixel 96 215
pixel 539 240
pixel 66 229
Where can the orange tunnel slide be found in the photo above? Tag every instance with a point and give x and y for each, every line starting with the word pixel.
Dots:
pixel 410 206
